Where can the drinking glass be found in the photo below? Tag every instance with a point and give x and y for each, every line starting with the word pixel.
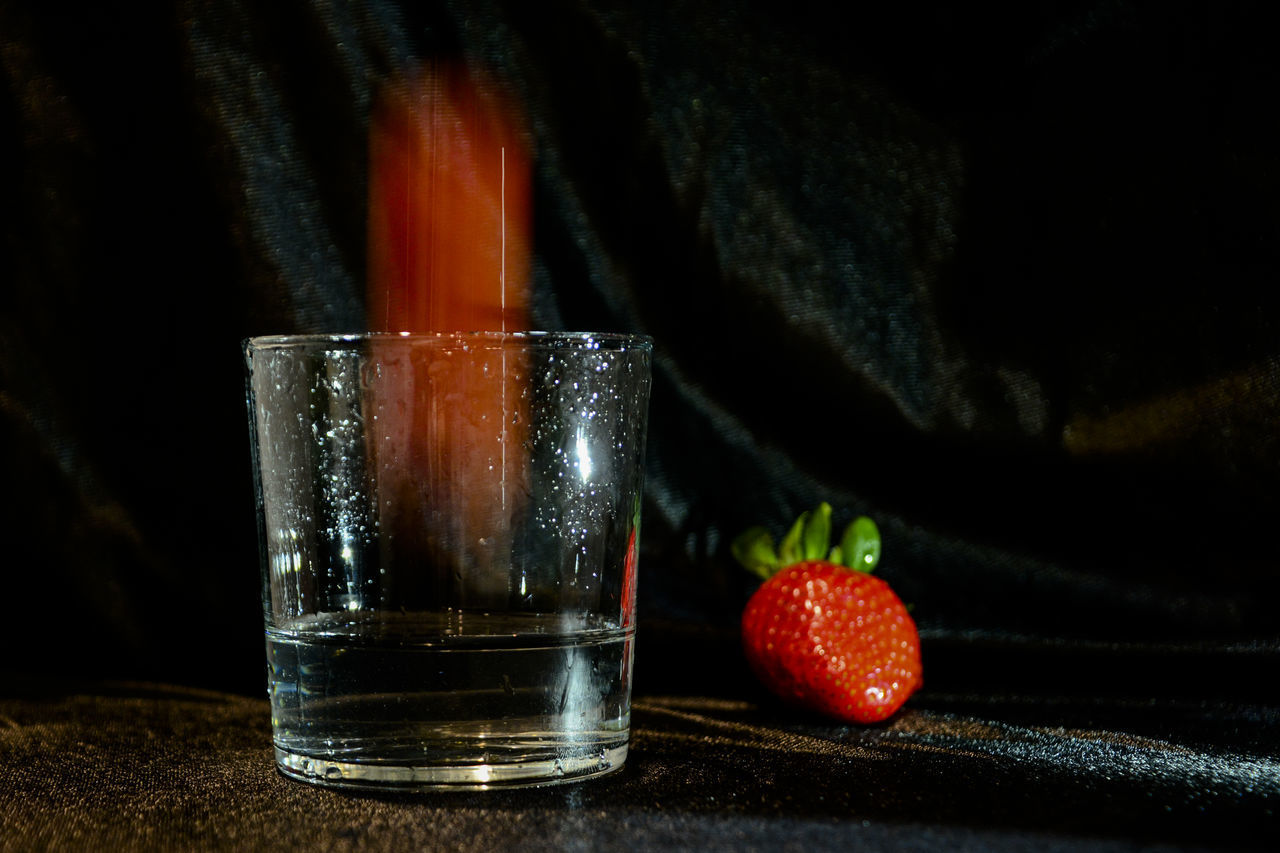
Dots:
pixel 448 528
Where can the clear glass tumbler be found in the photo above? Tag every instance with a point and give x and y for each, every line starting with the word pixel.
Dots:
pixel 449 529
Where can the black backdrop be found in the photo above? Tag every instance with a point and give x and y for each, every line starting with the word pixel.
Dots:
pixel 1003 279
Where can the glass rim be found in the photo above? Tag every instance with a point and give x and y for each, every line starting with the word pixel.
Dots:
pixel 609 340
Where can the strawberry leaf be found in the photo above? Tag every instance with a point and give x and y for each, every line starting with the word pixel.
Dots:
pixel 817 533
pixel 860 545
pixel 753 548
pixel 808 540
pixel 791 550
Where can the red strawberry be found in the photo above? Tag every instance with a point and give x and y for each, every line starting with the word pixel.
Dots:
pixel 832 639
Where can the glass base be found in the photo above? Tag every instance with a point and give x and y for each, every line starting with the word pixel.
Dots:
pixel 463 777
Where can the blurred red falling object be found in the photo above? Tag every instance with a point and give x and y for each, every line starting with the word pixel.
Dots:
pixel 449 201
pixel 449 245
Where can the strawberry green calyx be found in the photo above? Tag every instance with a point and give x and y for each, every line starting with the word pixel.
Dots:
pixel 859 547
pixel 807 540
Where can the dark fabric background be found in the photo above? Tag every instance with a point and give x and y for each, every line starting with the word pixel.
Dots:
pixel 1003 278
pixel 143 767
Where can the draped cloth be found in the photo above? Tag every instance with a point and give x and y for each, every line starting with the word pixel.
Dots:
pixel 138 766
pixel 1002 279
